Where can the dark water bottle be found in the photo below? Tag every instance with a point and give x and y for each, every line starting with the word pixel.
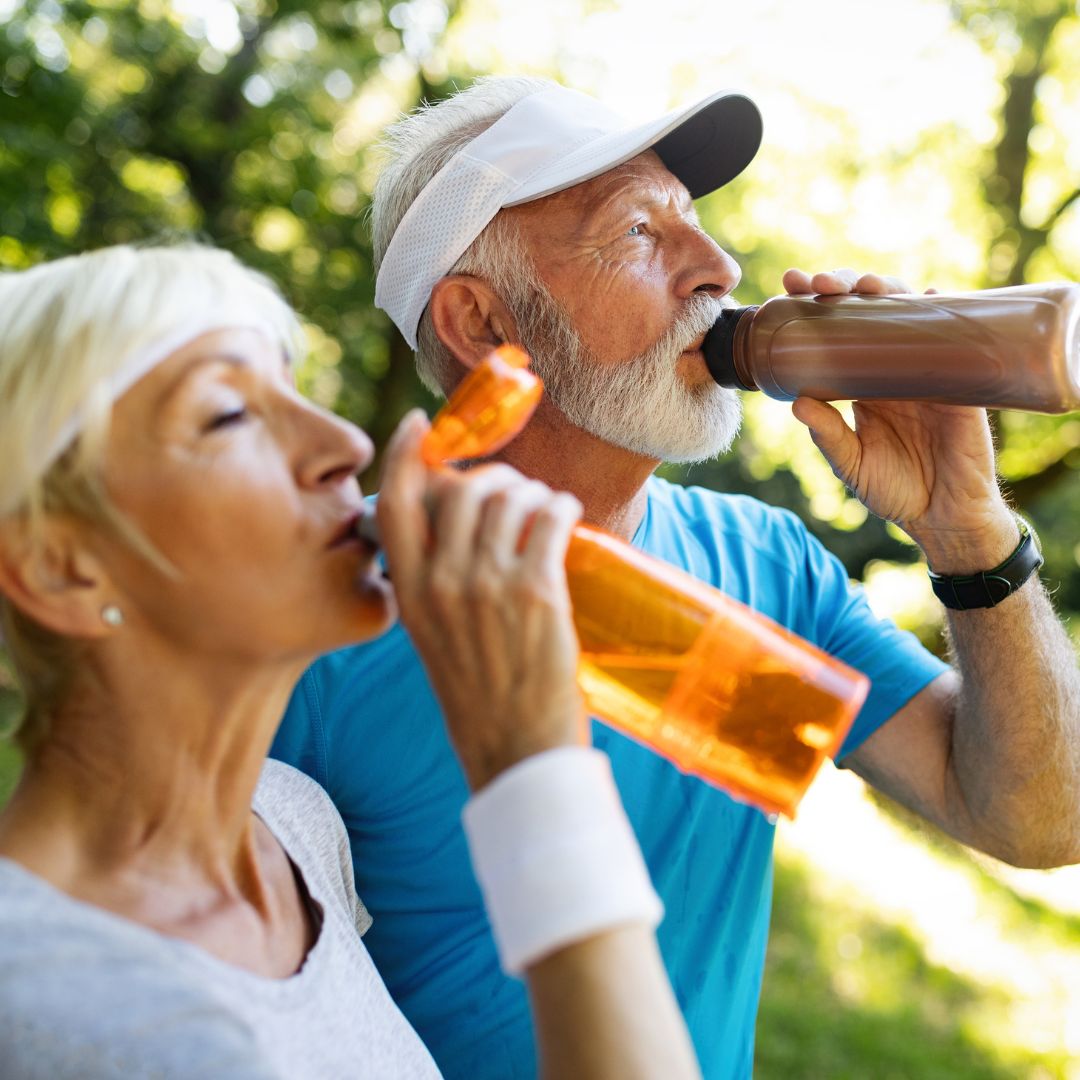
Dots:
pixel 1013 348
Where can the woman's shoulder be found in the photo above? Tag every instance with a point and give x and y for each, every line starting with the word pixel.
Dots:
pixel 299 812
pixel 284 792
pixel 307 825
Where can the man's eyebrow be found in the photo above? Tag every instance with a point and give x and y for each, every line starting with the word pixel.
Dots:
pixel 646 197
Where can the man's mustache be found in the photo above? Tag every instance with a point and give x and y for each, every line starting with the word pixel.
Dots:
pixel 695 320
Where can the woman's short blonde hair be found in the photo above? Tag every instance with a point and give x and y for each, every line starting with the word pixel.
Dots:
pixel 68 331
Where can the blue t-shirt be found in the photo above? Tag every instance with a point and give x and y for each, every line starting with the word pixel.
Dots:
pixel 365 724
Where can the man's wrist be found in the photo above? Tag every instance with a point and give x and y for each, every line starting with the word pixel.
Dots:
pixel 971 549
pixel 989 587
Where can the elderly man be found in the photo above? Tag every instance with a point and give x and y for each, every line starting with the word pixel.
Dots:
pixel 519 211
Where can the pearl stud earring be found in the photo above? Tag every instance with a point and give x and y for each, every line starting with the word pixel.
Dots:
pixel 111 615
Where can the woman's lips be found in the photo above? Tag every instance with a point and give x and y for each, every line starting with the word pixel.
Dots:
pixel 357 531
pixel 345 532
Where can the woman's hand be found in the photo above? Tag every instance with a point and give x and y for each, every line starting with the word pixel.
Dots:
pixel 477 560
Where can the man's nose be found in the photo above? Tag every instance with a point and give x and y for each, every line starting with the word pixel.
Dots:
pixel 707 267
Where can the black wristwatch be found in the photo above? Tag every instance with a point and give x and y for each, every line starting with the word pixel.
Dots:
pixel 989 587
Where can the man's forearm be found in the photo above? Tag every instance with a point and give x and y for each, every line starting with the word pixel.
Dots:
pixel 1014 767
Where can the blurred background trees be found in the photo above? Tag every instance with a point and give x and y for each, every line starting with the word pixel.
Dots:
pixel 940 141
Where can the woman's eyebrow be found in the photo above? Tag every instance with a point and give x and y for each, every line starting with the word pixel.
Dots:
pixel 231 359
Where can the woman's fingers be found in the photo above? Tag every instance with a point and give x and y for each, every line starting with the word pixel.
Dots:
pixel 402 516
pixel 503 523
pixel 490 615
pixel 492 588
pixel 460 503
pixel 545 549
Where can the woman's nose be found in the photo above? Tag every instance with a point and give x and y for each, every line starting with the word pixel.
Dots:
pixel 334 448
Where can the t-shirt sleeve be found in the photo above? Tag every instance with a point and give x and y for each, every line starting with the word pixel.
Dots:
pixel 842 623
pixel 306 820
pixel 361 917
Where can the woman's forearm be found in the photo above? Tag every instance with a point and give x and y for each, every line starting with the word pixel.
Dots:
pixel 604 1010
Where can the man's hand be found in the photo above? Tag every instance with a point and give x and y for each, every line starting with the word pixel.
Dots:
pixel 991 756
pixel 928 468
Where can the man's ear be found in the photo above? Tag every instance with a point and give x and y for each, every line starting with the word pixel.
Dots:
pixel 53 578
pixel 469 318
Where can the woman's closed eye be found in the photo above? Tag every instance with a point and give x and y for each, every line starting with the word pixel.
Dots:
pixel 227 418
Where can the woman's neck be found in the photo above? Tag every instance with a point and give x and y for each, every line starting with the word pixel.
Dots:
pixel 145 777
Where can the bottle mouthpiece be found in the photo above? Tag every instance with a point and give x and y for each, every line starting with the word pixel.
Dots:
pixel 719 349
pixel 367 527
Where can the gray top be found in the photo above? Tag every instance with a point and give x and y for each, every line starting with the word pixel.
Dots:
pixel 90 995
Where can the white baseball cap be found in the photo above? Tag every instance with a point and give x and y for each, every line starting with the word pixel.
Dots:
pixel 545 143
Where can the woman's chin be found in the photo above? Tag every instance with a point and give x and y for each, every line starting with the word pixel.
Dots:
pixel 375 608
pixel 361 611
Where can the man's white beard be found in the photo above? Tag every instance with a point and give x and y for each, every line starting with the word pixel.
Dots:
pixel 640 404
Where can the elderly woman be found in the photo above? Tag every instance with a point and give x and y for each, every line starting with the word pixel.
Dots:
pixel 177 542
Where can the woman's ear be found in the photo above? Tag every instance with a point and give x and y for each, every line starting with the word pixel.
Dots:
pixel 469 318
pixel 51 576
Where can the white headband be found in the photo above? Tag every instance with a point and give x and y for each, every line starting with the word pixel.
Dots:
pixel 547 142
pixel 142 361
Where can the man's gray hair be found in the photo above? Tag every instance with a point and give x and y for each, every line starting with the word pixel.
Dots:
pixel 415 149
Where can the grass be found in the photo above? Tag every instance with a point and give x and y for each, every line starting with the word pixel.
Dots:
pixel 848 994
pixel 897 953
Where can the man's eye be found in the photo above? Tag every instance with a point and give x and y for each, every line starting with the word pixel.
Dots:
pixel 227 419
pixel 636 230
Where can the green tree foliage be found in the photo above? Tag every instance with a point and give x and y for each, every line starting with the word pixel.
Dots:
pixel 1030 190
pixel 127 121
pixel 1016 197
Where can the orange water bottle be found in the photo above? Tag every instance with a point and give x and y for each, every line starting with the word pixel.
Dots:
pixel 720 690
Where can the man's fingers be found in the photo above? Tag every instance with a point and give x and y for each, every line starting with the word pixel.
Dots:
pixel 840 281
pixel 879 285
pixel 831 436
pixel 832 282
pixel 797 282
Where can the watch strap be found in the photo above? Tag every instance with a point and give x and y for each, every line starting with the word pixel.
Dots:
pixel 989 587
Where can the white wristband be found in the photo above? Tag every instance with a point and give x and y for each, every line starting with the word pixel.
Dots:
pixel 555 855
